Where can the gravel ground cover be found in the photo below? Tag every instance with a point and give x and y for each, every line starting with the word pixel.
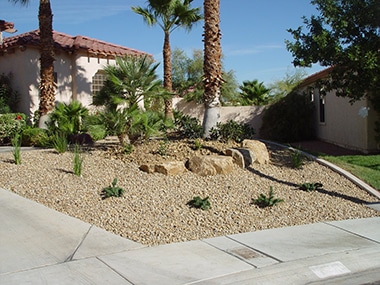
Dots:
pixel 153 208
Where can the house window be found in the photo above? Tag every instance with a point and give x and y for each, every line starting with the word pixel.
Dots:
pixel 98 81
pixel 311 94
pixel 322 102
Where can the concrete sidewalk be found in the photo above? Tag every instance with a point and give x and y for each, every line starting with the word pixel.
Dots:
pixel 41 246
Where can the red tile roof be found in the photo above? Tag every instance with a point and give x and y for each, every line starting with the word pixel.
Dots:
pixel 314 77
pixel 70 44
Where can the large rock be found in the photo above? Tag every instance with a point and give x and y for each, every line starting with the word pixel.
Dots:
pixel 259 149
pixel 242 156
pixel 211 164
pixel 170 168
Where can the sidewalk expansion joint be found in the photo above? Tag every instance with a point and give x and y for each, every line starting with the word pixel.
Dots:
pixel 350 232
pixel 71 256
pixel 114 270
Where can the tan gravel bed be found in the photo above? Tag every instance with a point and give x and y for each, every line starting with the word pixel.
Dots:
pixel 153 209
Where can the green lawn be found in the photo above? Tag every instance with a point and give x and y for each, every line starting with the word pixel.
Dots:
pixel 365 167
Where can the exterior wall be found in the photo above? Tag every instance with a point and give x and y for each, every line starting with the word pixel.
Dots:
pixel 251 115
pixel 24 67
pixel 84 68
pixel 343 125
pixel 74 77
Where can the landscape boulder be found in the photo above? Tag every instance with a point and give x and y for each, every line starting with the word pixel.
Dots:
pixel 259 149
pixel 210 164
pixel 243 157
pixel 170 168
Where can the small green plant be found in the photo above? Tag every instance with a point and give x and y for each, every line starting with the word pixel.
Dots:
pixel 266 201
pixel 162 148
pixel 78 161
pixel 112 191
pixel 199 203
pixel 60 143
pixel 297 159
pixel 197 144
pixel 308 187
pixel 16 143
pixel 128 149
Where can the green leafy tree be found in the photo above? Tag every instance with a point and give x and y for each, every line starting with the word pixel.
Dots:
pixel 346 35
pixel 281 88
pixel 254 93
pixel 169 15
pixel 188 75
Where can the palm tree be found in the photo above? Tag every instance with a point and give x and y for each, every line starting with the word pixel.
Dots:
pixel 212 65
pixel 47 88
pixel 254 93
pixel 169 15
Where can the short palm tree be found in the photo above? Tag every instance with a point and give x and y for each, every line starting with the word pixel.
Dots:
pixel 47 87
pixel 212 65
pixel 129 81
pixel 169 15
pixel 254 92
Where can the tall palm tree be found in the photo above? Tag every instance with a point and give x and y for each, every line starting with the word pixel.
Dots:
pixel 169 15
pixel 47 88
pixel 212 65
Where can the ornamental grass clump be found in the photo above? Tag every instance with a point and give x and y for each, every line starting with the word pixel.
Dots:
pixel 16 143
pixel 78 161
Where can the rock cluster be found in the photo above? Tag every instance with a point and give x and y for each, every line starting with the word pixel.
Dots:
pixel 252 151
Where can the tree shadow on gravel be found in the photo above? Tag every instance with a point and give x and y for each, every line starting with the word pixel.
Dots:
pixel 342 196
pixel 271 178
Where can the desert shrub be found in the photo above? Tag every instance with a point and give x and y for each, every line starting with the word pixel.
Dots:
pixel 10 125
pixel 188 126
pixel 232 130
pixel 35 137
pixel 289 119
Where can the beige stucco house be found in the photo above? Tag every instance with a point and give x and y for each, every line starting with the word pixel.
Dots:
pixel 338 121
pixel 78 66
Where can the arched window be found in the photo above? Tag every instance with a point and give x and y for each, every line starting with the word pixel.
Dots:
pixel 98 81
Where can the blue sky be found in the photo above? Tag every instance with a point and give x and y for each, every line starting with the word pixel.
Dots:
pixel 253 32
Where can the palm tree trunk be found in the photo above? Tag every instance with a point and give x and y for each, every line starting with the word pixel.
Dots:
pixel 168 85
pixel 47 88
pixel 212 66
